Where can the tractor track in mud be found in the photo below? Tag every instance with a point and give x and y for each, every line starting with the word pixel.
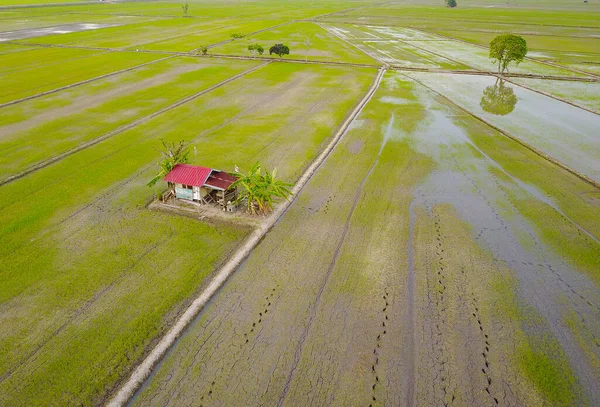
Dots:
pixel 377 348
pixel 312 313
pixel 126 127
pixel 504 226
pixel 409 348
pixel 471 300
pixel 443 390
pixel 248 336
pixel 582 307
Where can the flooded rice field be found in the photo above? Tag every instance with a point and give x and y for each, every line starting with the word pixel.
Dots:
pixel 418 267
pixel 393 44
pixel 59 29
pixel 582 93
pixel 564 132
pixel 391 49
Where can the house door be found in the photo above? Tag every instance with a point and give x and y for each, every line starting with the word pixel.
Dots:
pixel 197 193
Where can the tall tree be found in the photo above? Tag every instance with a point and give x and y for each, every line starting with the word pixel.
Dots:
pixel 172 154
pixel 507 48
pixel 185 8
pixel 279 49
pixel 260 190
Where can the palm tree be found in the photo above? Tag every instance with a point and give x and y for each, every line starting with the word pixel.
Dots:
pixel 173 154
pixel 260 190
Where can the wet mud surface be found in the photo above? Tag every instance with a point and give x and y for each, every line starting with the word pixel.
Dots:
pixel 564 132
pixel 416 268
pixel 58 29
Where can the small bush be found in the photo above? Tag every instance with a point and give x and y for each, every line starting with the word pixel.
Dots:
pixel 256 48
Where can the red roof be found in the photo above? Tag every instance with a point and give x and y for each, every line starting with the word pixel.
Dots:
pixel 220 180
pixel 188 175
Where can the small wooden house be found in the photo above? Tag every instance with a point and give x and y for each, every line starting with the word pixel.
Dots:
pixel 201 184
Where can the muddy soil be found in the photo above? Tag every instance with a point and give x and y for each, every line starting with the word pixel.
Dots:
pixel 408 272
pixel 58 29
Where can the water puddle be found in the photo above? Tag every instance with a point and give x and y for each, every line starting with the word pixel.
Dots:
pixel 59 29
pixel 564 132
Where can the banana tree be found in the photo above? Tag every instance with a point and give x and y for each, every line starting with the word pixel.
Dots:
pixel 260 190
pixel 173 154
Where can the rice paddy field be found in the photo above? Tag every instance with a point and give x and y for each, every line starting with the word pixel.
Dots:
pixel 446 252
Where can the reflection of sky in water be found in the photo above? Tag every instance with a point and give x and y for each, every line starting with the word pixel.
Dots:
pixel 59 29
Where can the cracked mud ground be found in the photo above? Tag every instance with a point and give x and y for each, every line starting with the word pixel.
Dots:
pixel 431 261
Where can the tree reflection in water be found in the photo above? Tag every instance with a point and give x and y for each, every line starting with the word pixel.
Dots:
pixel 498 99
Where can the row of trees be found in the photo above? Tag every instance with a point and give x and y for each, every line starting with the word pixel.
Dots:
pixel 277 49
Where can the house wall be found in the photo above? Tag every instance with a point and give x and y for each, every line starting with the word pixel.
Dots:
pixel 182 192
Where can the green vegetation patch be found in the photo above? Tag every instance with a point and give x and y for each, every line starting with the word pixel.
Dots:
pixel 43 128
pixel 20 83
pixel 306 40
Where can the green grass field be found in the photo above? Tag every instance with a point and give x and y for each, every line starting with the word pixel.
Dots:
pixel 437 220
pixel 97 175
